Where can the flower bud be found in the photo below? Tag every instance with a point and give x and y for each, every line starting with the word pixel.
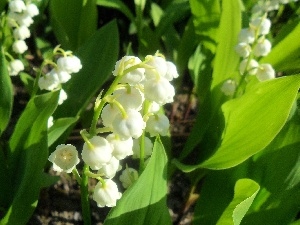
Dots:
pixel 19 46
pixel 262 48
pixel 251 68
pixel 64 158
pixel 228 87
pixel 70 64
pixel 246 35
pixel 97 153
pixel 32 10
pixel 106 194
pixel 128 177
pixel 21 32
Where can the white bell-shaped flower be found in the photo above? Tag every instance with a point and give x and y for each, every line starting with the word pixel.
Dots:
pixel 62 96
pixel 32 10
pixel 148 148
pixel 19 46
pixel 121 147
pixel 110 169
pixel 106 194
pixel 158 67
pixel 159 90
pixel 133 77
pixel 16 6
pixel 261 24
pixel 97 153
pixel 49 81
pixel 64 158
pixel 129 98
pixel 50 122
pixel 243 49
pixel 128 177
pixel 24 19
pixel 265 72
pixel 15 67
pixel 171 71
pixel 154 107
pixel 62 75
pixel 70 64
pixel 228 87
pixel 262 48
pixel 246 35
pixel 158 124
pixel 130 126
pixel 21 32
pixel 251 68
pixel 108 114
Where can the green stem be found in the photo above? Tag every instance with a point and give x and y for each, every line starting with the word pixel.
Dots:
pixel 85 204
pixel 142 153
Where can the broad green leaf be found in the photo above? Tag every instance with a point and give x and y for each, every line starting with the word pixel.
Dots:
pixel 226 60
pixel 145 201
pixel 206 18
pixel 119 5
pixel 29 152
pixel 245 191
pixel 252 122
pixel 6 93
pixel 75 25
pixel 59 127
pixel 4 176
pixel 284 54
pixel 98 57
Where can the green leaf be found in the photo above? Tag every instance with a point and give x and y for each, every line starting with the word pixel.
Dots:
pixel 75 25
pixel 59 127
pixel 119 5
pixel 27 158
pixel 6 93
pixel 245 191
pixel 283 54
pixel 28 81
pixel 145 201
pixel 98 57
pixel 251 122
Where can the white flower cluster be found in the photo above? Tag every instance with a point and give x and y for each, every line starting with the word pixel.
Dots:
pixel 20 18
pixel 129 110
pixel 254 44
pixel 61 73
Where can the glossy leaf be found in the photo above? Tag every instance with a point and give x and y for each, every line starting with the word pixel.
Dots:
pixel 284 54
pixel 245 191
pixel 73 21
pixel 145 201
pixel 59 127
pixel 251 122
pixel 6 93
pixel 27 158
pixel 98 57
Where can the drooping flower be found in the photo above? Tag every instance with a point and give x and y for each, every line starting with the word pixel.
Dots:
pixel 128 177
pixel 110 169
pixel 64 158
pixel 158 125
pixel 121 147
pixel 19 46
pixel 106 194
pixel 15 67
pixel 70 64
pixel 265 72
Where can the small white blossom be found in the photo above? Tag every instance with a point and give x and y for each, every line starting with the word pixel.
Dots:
pixel 154 107
pixel 15 67
pixel 16 6
pixel 129 98
pixel 32 10
pixel 110 169
pixel 246 35
pixel 171 71
pixel 131 126
pixel 265 72
pixel 121 148
pixel 108 114
pixel 243 49
pixel 62 96
pixel 133 77
pixel 64 158
pixel 106 194
pixel 251 68
pixel 159 90
pixel 261 24
pixel 128 177
pixel 21 32
pixel 97 153
pixel 158 125
pixel 262 48
pixel 62 75
pixel 49 81
pixel 24 19
pixel 148 147
pixel 19 46
pixel 158 67
pixel 228 87
pixel 70 64
pixel 50 122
